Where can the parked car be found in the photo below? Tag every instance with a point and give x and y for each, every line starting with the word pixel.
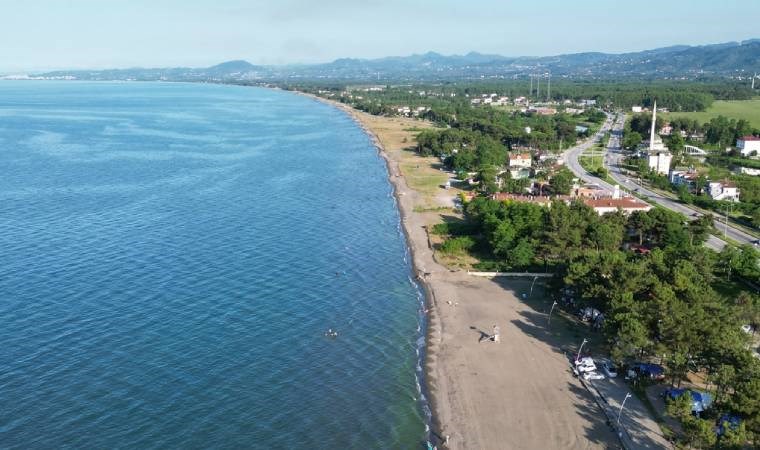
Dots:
pixel 646 370
pixel 607 368
pixel 727 420
pixel 585 365
pixel 593 376
pixel 700 401
pixel 588 314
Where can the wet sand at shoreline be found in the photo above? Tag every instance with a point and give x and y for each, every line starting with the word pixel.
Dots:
pixel 515 394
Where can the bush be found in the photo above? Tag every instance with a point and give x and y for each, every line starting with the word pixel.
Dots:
pixel 457 245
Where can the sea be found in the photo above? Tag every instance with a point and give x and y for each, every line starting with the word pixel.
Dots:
pixel 171 258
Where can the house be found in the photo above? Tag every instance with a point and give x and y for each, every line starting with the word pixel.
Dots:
pixel 580 129
pixel 610 205
pixel 574 111
pixel 520 172
pixel 524 160
pixel 723 190
pixel 590 191
pixel 636 109
pixel 746 171
pixel 666 130
pixel 660 161
pixel 748 145
pixel 543 111
pixel 686 178
pixel 587 102
pixel 541 200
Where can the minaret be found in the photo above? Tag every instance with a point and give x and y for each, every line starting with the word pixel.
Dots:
pixel 654 121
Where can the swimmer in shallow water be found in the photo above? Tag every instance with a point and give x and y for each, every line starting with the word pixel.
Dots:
pixel 331 333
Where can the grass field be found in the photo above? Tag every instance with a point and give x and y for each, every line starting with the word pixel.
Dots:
pixel 733 109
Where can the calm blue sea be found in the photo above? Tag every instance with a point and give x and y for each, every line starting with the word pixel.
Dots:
pixel 170 258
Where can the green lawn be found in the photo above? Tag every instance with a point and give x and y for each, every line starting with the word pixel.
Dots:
pixel 733 109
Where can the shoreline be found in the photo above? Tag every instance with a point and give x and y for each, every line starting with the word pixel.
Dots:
pixel 482 395
pixel 406 210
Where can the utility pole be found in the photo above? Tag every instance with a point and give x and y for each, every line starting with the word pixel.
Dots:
pixel 531 87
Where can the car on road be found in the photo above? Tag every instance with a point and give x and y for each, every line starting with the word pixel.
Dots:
pixel 607 368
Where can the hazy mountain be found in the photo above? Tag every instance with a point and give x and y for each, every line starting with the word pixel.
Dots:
pixel 724 59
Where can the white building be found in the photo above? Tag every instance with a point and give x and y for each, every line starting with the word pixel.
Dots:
pixel 723 190
pixel 520 160
pixel 636 109
pixel 658 156
pixel 609 205
pixel 748 144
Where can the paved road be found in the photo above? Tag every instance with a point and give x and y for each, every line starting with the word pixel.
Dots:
pixel 612 162
pixel 642 429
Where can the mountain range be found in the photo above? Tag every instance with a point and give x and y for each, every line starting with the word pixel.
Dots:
pixel 681 61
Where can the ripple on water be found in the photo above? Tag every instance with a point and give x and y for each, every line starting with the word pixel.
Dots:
pixel 168 271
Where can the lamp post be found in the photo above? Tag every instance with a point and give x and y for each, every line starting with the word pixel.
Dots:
pixel 531 286
pixel 550 313
pixel 578 356
pixel 627 396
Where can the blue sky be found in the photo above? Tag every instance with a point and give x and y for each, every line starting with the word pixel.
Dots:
pixel 48 34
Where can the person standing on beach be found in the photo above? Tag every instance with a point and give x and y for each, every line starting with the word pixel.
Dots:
pixel 495 335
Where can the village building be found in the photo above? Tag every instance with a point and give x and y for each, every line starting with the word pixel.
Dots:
pixel 748 145
pixel 627 205
pixel 520 160
pixel 658 156
pixel 723 190
pixel 590 191
pixel 685 177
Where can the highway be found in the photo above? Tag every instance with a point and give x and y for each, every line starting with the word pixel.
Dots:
pixel 612 160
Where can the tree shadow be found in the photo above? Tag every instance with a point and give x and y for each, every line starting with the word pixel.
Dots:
pixel 564 335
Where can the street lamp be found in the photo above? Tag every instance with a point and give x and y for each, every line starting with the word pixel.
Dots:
pixel 531 286
pixel 550 313
pixel 725 221
pixel 578 356
pixel 627 396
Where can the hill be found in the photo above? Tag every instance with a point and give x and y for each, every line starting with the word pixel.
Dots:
pixel 731 59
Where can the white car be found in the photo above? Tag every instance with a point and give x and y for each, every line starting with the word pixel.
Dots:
pixel 585 365
pixel 747 329
pixel 608 368
pixel 593 376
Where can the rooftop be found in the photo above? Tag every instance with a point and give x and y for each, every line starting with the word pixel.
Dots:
pixel 622 203
pixel 749 138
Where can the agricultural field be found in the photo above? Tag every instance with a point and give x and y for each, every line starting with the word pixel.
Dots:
pixel 733 109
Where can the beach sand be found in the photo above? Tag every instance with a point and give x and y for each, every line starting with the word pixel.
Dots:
pixel 515 394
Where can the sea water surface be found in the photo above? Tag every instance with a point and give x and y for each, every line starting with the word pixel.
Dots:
pixel 170 258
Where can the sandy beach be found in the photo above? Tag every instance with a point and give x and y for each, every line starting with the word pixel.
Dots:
pixel 515 394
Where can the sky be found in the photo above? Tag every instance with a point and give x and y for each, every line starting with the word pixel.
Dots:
pixel 92 34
